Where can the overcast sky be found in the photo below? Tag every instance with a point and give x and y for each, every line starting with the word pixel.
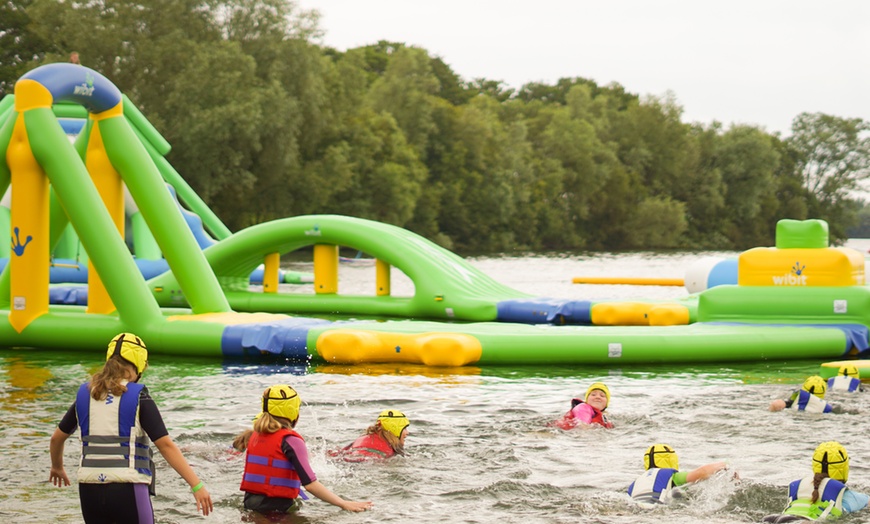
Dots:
pixel 759 62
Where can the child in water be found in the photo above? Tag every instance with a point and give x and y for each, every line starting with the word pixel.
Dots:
pixel 823 494
pixel 663 474
pixel 809 398
pixel 588 411
pixel 115 413
pixel 383 439
pixel 848 379
pixel 276 459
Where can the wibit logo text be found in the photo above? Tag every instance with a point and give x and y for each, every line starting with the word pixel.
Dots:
pixel 86 88
pixel 795 277
pixel 83 90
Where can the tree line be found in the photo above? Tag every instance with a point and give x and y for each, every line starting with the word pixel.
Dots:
pixel 265 123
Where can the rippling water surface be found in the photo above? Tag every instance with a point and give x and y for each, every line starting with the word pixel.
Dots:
pixel 480 450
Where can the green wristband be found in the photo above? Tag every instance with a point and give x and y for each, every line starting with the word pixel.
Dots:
pixel 197 487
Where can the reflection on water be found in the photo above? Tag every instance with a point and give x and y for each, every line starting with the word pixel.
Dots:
pixel 479 449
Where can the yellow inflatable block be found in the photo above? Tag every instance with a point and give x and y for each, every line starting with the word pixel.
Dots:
pixel 620 314
pixel 354 346
pixel 668 315
pixel 325 269
pixel 830 266
pixel 229 318
pixel 829 369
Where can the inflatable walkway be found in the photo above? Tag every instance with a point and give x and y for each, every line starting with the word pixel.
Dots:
pixel 801 299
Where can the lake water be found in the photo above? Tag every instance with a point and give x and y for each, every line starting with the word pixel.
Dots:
pixel 479 450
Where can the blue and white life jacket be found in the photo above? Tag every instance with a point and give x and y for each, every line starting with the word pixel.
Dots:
pixel 110 430
pixel 830 502
pixel 655 485
pixel 806 401
pixel 844 383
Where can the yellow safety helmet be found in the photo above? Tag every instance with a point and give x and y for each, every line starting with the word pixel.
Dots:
pixel 815 385
pixel 849 370
pixel 130 348
pixel 831 458
pixel 598 385
pixel 393 421
pixel 282 401
pixel 660 456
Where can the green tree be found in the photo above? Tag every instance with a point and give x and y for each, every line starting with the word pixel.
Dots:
pixel 406 91
pixel 217 129
pixel 20 46
pixel 661 156
pixel 747 160
pixel 832 154
pixel 382 176
pixel 703 191
pixel 496 89
pixel 450 85
pixel 862 228
pixel 658 222
pixel 476 167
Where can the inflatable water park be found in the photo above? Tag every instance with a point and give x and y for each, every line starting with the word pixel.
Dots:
pixel 107 237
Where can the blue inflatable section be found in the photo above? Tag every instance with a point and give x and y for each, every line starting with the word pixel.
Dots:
pixel 71 126
pixel 152 268
pixel 286 337
pixel 194 222
pixel 76 83
pixel 75 295
pixel 544 311
pixel 723 273
pixel 68 271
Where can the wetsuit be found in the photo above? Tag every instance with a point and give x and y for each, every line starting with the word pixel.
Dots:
pixel 118 499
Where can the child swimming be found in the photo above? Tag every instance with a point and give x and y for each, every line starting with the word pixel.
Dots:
pixel 590 410
pixel 809 398
pixel 383 439
pixel 848 379
pixel 824 493
pixel 662 475
pixel 276 459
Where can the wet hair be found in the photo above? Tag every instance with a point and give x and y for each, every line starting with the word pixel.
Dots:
pixel 240 443
pixel 817 480
pixel 265 423
pixel 108 380
pixel 391 439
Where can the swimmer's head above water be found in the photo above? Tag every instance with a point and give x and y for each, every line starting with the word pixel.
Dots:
pixel 660 456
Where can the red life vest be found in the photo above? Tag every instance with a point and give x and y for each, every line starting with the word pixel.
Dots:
pixel 600 419
pixel 569 421
pixel 267 470
pixel 369 446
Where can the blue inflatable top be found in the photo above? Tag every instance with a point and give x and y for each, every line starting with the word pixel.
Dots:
pixel 76 83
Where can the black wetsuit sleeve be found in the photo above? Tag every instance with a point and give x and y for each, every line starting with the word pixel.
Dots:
pixel 150 418
pixel 70 421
